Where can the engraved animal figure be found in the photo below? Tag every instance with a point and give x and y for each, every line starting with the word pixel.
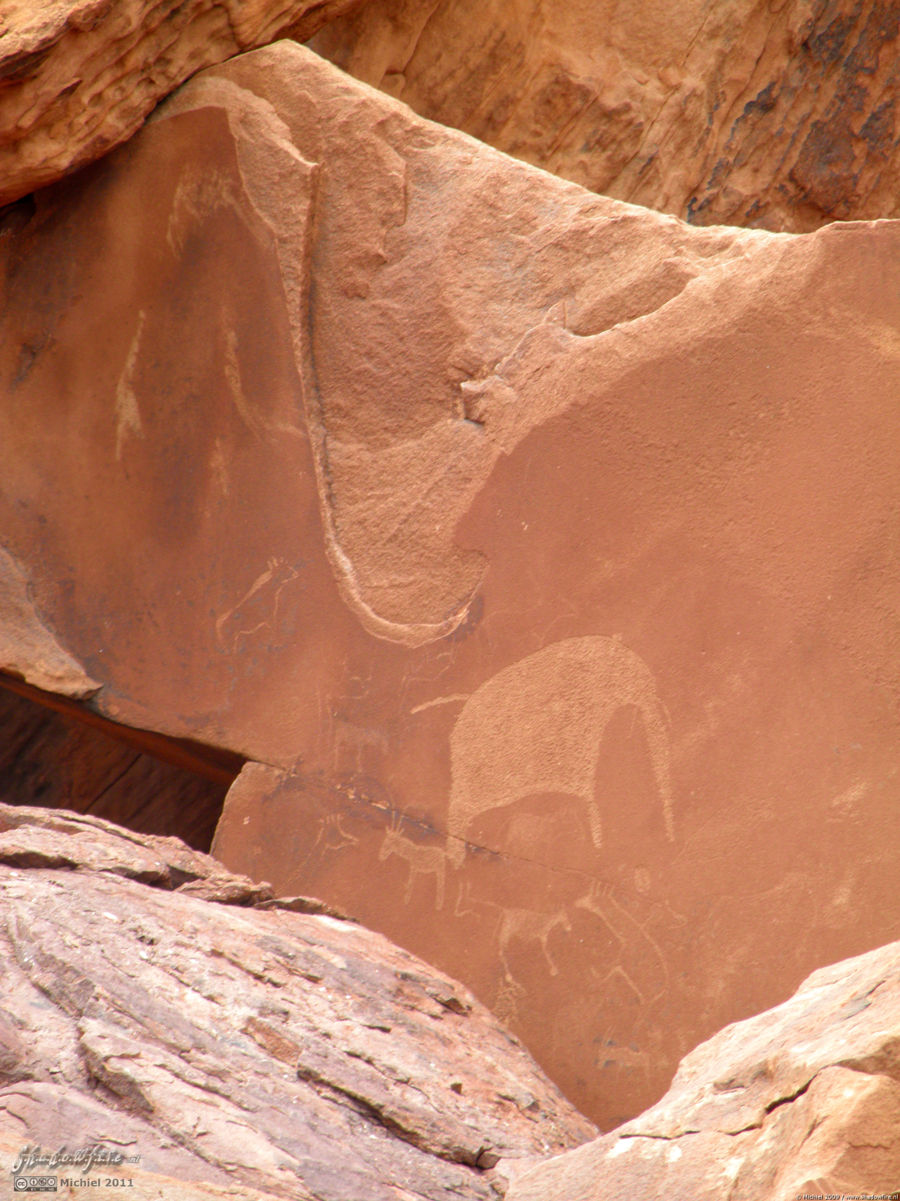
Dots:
pixel 258 608
pixel 332 834
pixel 640 963
pixel 529 925
pixel 519 925
pixel 537 726
pixel 422 860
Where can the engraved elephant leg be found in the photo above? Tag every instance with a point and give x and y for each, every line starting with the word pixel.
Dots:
pixel 655 731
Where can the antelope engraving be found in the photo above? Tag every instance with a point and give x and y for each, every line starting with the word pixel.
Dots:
pixel 422 860
pixel 537 726
pixel 519 925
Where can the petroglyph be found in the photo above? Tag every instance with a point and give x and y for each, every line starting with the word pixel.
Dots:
pixel 422 860
pixel 613 1054
pixel 505 1005
pixel 357 748
pixel 640 963
pixel 258 608
pixel 440 700
pixel 128 414
pixel 232 369
pixel 537 726
pixel 517 925
pixel 332 836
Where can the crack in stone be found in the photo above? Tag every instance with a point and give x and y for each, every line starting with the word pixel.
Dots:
pixel 370 1109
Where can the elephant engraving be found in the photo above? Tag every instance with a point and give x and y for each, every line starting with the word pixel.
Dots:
pixel 537 726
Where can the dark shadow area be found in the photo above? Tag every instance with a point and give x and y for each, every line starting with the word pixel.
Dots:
pixel 61 755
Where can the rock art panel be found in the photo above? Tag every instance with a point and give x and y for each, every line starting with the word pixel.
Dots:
pixel 420 427
pixel 780 116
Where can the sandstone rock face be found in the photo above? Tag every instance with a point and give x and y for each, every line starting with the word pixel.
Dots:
pixel 744 112
pixel 261 1053
pixel 78 77
pixel 801 1101
pixel 27 648
pixel 537 550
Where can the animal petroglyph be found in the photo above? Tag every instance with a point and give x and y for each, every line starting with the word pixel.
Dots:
pixel 639 963
pixel 517 925
pixel 422 860
pixel 537 726
pixel 258 608
pixel 332 836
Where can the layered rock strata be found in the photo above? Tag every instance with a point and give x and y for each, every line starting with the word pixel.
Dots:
pixel 782 116
pixel 537 550
pixel 231 1045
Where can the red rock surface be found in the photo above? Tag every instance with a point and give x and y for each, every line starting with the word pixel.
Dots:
pixel 538 550
pixel 27 648
pixel 802 1101
pixel 298 1056
pixel 779 115
pixel 78 77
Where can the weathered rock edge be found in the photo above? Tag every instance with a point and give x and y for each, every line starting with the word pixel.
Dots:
pixel 78 77
pixel 801 1100
pixel 745 112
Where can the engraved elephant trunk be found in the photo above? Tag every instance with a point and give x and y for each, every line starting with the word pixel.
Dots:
pixel 538 725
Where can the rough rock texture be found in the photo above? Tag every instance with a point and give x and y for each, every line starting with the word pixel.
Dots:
pixel 801 1101
pixel 538 550
pixel 747 112
pixel 27 648
pixel 78 77
pixel 293 1054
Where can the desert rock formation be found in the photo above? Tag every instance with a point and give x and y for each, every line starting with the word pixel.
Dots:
pixel 237 1045
pixel 744 112
pixel 78 77
pixel 331 436
pixel 801 1101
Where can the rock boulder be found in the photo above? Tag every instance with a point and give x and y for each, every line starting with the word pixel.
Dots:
pixel 150 1006
pixel 802 1101
pixel 78 77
